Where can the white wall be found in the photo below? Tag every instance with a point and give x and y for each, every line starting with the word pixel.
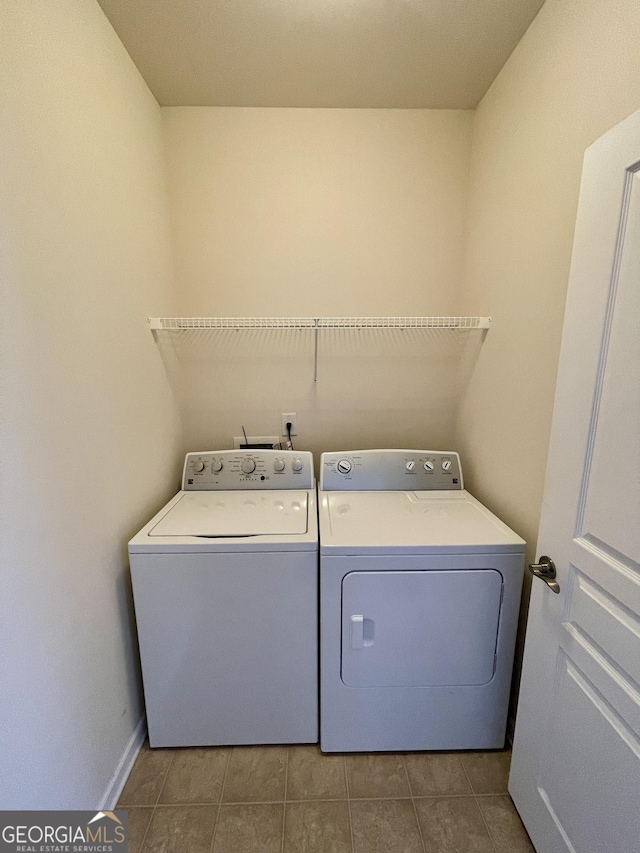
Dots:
pixel 292 212
pixel 303 212
pixel 574 75
pixel 90 435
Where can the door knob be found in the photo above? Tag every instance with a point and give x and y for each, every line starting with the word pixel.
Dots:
pixel 546 570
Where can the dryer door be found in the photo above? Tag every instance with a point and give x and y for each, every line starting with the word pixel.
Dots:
pixel 420 628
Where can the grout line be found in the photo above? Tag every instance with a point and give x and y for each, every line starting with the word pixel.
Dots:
pixel 413 802
pixel 284 807
pixel 346 784
pixel 440 796
pixel 410 797
pixel 234 803
pixel 224 780
pixel 485 796
pixel 226 770
pixel 475 797
pixel 146 832
pixel 164 781
pixel 486 826
pixel 166 773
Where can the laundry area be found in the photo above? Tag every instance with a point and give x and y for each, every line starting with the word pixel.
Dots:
pixel 320 423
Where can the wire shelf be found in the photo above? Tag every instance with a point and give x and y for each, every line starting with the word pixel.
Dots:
pixel 179 323
pixel 404 322
pixel 316 324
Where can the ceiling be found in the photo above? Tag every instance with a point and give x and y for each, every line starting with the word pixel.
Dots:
pixel 320 53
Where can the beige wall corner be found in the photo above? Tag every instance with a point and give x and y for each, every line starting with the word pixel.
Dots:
pixel 574 75
pixel 90 434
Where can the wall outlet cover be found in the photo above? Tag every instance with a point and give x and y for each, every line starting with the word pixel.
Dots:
pixel 289 417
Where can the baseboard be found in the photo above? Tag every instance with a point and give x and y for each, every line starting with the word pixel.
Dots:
pixel 119 778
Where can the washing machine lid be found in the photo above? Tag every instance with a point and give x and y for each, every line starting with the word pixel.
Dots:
pixel 235 514
pixel 411 522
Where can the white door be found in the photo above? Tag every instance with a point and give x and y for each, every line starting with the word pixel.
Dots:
pixel 575 774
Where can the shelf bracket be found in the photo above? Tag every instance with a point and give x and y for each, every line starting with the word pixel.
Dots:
pixel 315 349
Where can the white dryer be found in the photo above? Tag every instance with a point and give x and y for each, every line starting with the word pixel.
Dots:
pixel 419 595
pixel 225 585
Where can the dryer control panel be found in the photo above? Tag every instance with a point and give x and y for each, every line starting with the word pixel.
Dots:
pixel 391 470
pixel 225 470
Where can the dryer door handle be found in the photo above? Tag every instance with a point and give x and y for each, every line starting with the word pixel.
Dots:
pixel 357 632
pixel 362 632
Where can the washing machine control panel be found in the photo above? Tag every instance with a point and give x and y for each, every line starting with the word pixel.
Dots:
pixel 390 470
pixel 224 470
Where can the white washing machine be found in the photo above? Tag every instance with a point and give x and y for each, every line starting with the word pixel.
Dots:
pixel 419 594
pixel 225 585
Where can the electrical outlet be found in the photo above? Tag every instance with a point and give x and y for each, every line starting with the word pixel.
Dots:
pixel 289 418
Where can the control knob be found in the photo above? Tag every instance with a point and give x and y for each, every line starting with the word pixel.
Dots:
pixel 297 464
pixel 278 464
pixel 446 464
pixel 344 466
pixel 216 466
pixel 428 465
pixel 411 464
pixel 198 466
pixel 248 466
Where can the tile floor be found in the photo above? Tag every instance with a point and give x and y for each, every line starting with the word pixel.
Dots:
pixel 277 799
